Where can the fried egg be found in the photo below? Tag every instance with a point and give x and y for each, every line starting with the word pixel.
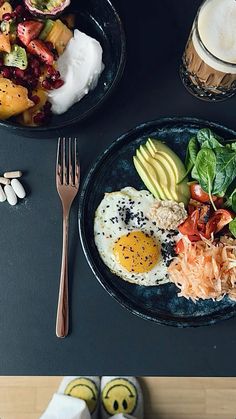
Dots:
pixel 128 242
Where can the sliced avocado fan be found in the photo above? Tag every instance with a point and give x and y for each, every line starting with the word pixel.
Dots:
pixel 160 169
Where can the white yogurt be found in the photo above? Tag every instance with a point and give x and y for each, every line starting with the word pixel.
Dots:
pixel 80 67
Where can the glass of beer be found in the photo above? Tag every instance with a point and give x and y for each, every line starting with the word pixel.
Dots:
pixel 208 68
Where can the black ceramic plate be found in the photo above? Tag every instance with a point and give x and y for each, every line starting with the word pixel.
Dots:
pixel 99 19
pixel 114 170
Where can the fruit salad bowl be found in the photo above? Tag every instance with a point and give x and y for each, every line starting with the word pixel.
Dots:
pixel 96 18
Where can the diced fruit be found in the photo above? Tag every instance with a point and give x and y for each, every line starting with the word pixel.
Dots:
pixel 16 58
pixel 13 99
pixel 8 27
pixel 38 47
pixel 5 8
pixel 48 8
pixel 29 30
pixel 27 117
pixel 59 36
pixel 5 45
pixel 46 29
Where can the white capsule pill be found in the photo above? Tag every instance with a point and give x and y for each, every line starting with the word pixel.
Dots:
pixel 18 188
pixel 2 195
pixel 12 175
pixel 10 194
pixel 4 181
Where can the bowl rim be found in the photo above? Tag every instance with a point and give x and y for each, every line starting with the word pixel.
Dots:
pixel 77 119
pixel 131 306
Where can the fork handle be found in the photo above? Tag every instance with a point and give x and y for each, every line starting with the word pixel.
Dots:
pixel 62 322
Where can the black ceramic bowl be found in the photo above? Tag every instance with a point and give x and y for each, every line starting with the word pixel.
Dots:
pixel 114 170
pixel 99 19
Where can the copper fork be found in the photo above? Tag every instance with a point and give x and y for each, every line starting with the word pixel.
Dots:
pixel 67 181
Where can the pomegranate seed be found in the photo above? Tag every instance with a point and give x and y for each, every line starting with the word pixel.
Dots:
pixel 56 76
pixel 47 85
pixel 39 118
pixel 7 16
pixel 19 73
pixel 6 72
pixel 19 10
pixel 47 108
pixel 58 83
pixel 35 99
pixel 34 63
pixel 50 69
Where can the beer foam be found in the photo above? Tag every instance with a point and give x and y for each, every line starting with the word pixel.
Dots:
pixel 217 28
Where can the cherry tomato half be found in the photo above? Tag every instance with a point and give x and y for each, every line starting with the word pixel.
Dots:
pixel 199 195
pixel 189 226
pixel 219 220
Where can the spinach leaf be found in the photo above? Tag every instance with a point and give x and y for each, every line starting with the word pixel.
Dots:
pixel 194 173
pixel 225 170
pixel 208 139
pixel 232 145
pixel 191 156
pixel 231 201
pixel 205 167
pixel 232 227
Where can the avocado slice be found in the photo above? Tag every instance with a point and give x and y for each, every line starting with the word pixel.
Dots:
pixel 183 192
pixel 154 174
pixel 164 171
pixel 154 179
pixel 160 147
pixel 143 173
pixel 167 156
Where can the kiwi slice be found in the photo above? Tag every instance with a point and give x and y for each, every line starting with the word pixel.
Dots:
pixel 16 58
pixel 47 29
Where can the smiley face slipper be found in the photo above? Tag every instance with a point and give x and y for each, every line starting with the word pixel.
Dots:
pixel 121 397
pixel 84 388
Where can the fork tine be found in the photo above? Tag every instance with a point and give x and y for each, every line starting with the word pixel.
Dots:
pixel 64 166
pixel 71 178
pixel 58 163
pixel 77 168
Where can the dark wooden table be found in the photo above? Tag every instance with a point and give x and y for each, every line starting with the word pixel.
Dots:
pixel 105 338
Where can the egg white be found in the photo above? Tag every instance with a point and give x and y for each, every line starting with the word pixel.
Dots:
pixel 120 213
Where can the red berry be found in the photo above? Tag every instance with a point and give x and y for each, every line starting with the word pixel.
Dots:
pixel 6 72
pixel 19 10
pixel 47 85
pixel 35 99
pixel 47 108
pixel 50 69
pixel 58 83
pixel 19 73
pixel 37 72
pixel 39 118
pixel 7 16
pixel 34 63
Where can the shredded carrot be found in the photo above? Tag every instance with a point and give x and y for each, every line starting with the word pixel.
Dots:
pixel 205 270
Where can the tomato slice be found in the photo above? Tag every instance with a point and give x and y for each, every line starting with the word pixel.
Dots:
pixel 179 248
pixel 219 220
pixel 199 195
pixel 189 226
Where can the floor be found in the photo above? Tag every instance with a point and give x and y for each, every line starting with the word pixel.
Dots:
pixel 165 398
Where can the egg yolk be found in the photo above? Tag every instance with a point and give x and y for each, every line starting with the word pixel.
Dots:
pixel 137 252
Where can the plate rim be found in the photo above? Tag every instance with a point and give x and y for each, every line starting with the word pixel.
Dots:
pixel 132 306
pixel 20 129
